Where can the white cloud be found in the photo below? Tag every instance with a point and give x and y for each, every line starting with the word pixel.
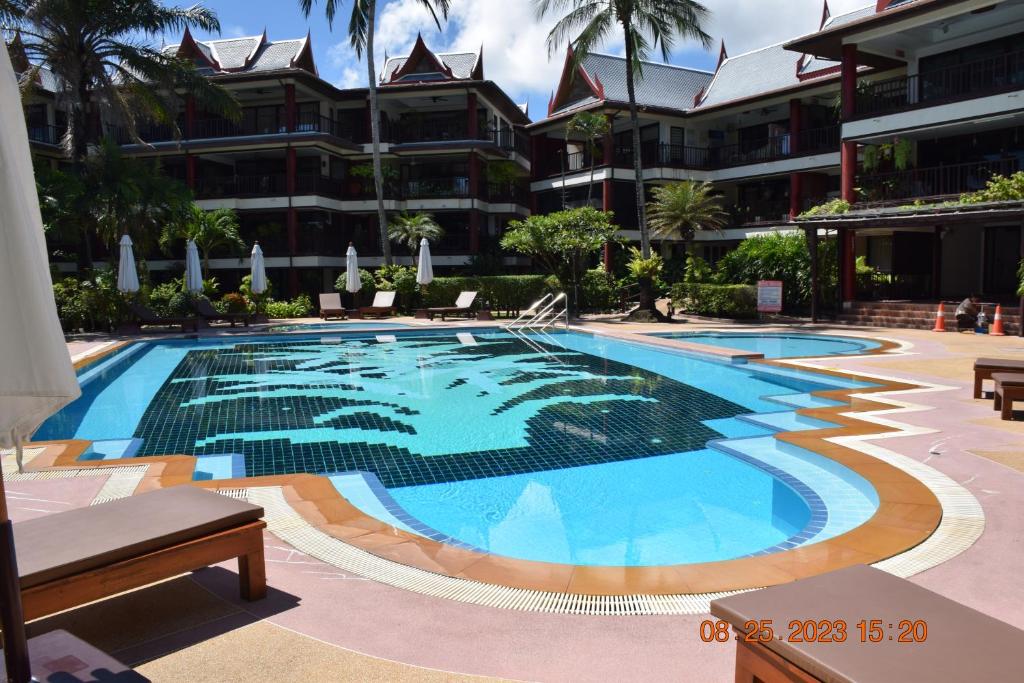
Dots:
pixel 514 39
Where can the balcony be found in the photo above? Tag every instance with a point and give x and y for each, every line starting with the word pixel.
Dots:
pixel 453 130
pixel 273 185
pixel 436 188
pixel 961 82
pixel 764 212
pixel 933 182
pixel 506 193
pixel 45 134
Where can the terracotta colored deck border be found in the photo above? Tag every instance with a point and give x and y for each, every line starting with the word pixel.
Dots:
pixel 907 515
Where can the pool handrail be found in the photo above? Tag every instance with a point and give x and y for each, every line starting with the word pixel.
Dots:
pixel 531 310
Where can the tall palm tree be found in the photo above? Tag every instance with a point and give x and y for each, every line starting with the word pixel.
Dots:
pixel 409 229
pixel 210 230
pixel 645 25
pixel 679 210
pixel 98 52
pixel 361 31
pixel 591 126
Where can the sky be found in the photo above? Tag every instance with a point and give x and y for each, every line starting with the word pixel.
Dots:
pixel 513 38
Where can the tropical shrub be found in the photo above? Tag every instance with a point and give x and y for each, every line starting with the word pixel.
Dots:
pixel 299 307
pixel 90 302
pixel 999 188
pixel 641 268
pixel 717 301
pixel 598 291
pixel 829 208
pixel 367 284
pixel 775 256
pixel 499 293
pixel 697 269
pixel 234 303
pixel 161 295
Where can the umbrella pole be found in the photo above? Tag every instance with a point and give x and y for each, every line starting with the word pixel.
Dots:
pixel 12 620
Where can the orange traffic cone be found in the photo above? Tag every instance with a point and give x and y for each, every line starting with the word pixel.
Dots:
pixel 997 323
pixel 940 320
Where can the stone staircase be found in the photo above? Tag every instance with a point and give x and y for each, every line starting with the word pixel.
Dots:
pixel 916 315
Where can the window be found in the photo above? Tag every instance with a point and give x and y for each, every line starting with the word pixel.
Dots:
pixel 677 136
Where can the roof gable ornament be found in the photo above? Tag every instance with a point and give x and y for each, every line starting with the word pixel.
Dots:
pixel 303 58
pixel 723 55
pixel 188 48
pixel 882 5
pixel 251 57
pixel 568 78
pixel 18 54
pixel 477 73
pixel 826 14
pixel 411 67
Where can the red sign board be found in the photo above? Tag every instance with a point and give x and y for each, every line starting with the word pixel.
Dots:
pixel 769 296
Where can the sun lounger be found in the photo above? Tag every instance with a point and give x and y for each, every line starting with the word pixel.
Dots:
pixel 984 368
pixel 383 304
pixel 909 633
pixel 464 304
pixel 60 656
pixel 330 306
pixel 206 310
pixel 145 316
pixel 71 558
pixel 1009 388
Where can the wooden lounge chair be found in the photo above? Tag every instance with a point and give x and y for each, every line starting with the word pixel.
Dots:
pixel 383 304
pixel 60 656
pixel 71 558
pixel 330 306
pixel 909 633
pixel 208 313
pixel 463 305
pixel 984 368
pixel 145 316
pixel 1009 388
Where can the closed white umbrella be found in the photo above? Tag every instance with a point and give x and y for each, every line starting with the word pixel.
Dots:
pixel 37 379
pixel 127 276
pixel 352 281
pixel 257 270
pixel 425 269
pixel 193 270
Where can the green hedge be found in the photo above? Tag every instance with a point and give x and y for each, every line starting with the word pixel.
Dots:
pixel 499 293
pixel 717 301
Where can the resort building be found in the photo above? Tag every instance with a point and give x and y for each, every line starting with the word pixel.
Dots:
pixel 297 165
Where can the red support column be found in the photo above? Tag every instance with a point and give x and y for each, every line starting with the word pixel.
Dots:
pixel 474 232
pixel 290 165
pixel 796 194
pixel 849 81
pixel 607 201
pixel 848 171
pixel 471 119
pixel 190 116
pixel 289 107
pixel 608 143
pixel 190 171
pixel 796 110
pixel 474 176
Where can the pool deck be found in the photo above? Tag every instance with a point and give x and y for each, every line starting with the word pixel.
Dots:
pixel 334 622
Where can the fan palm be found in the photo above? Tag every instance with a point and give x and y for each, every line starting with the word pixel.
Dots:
pixel 679 210
pixel 361 31
pixel 409 229
pixel 97 51
pixel 645 25
pixel 210 230
pixel 590 126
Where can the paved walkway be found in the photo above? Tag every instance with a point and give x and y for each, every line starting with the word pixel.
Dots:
pixel 322 622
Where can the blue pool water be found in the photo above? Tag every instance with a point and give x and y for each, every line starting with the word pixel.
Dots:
pixel 778 345
pixel 565 448
pixel 338 327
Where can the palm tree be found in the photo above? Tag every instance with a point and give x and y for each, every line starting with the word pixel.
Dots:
pixel 591 126
pixel 679 210
pixel 361 31
pixel 409 229
pixel 645 25
pixel 217 229
pixel 96 51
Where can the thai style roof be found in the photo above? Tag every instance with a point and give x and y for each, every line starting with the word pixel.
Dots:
pixel 423 65
pixel 252 54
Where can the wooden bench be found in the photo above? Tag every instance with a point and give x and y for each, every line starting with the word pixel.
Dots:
pixel 71 558
pixel 984 368
pixel 1009 388
pixel 947 641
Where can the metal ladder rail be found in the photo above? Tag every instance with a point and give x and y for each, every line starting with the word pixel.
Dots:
pixel 523 337
pixel 531 310
pixel 544 312
pixel 564 315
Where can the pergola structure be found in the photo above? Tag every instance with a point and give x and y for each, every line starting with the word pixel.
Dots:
pixel 934 216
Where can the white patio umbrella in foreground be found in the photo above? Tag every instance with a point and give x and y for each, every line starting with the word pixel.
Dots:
pixel 127 275
pixel 193 270
pixel 352 281
pixel 36 379
pixel 425 269
pixel 257 270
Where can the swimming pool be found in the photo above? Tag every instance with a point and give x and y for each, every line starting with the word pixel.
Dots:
pixel 338 327
pixel 565 447
pixel 779 344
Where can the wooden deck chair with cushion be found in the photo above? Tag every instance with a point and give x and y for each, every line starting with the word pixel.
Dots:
pixel 463 305
pixel 383 304
pixel 206 310
pixel 330 306
pixel 145 316
pixel 71 558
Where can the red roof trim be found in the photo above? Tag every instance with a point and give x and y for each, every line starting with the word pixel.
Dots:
pixel 420 51
pixel 189 48
pixel 566 79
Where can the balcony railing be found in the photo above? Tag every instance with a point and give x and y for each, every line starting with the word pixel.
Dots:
pixel 506 193
pixel 46 134
pixel 962 81
pixel 764 212
pixel 273 185
pixel 436 188
pixel 936 181
pixel 432 130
